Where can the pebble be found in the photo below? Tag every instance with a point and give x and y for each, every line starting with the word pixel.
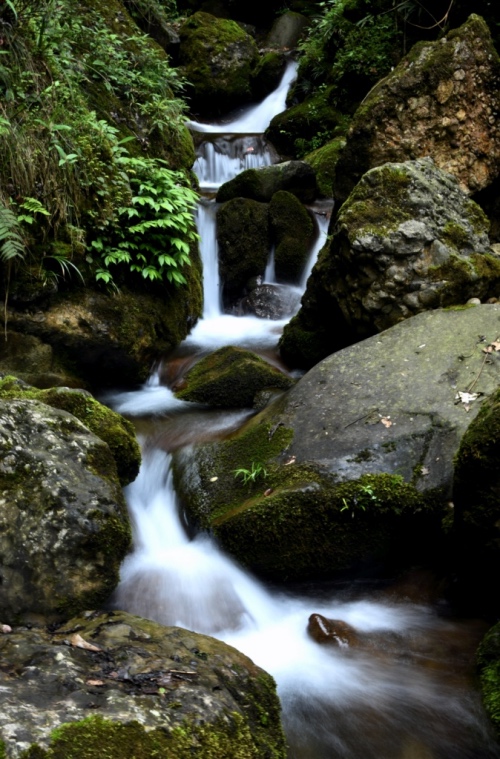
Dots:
pixel 5 629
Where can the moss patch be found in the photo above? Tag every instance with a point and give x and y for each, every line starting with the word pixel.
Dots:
pixel 109 426
pixel 323 161
pixel 98 738
pixel 231 377
pixel 488 657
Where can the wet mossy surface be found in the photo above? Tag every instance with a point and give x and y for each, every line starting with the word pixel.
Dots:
pixel 109 426
pixel 292 230
pixel 488 658
pixel 324 160
pixel 231 378
pixel 294 521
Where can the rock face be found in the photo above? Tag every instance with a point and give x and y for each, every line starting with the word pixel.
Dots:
pixel 163 692
pixel 64 528
pixel 271 302
pixel 112 340
pixel 440 101
pixel 231 378
pixel 218 58
pixel 110 427
pixel 476 494
pixel 292 232
pixel 296 177
pixel 359 451
pixel 406 240
pixel 244 243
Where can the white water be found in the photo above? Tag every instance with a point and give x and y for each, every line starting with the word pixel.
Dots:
pixel 370 703
pixel 254 119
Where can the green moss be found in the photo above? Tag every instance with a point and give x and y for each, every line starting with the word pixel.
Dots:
pixel 3 753
pixel 98 738
pixel 231 377
pixel 455 234
pixel 109 426
pixel 459 273
pixel 323 161
pixel 381 211
pixel 292 231
pixel 488 657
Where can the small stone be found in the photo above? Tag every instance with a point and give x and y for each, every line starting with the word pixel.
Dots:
pixel 5 629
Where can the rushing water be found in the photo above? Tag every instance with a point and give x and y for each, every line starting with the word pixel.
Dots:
pixel 402 692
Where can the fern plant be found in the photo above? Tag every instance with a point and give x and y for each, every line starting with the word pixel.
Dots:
pixel 152 235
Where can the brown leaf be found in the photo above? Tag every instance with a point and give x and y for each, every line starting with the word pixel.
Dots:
pixel 386 421
pixel 291 460
pixel 77 641
pixel 94 682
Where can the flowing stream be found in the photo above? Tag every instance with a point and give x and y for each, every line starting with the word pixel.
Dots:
pixel 404 691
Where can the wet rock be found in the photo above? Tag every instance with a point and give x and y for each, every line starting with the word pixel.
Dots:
pixel 112 340
pixel 133 688
pixel 268 73
pixel 260 184
pixel 64 529
pixel 358 454
pixel 440 101
pixel 271 301
pixel 230 378
pixel 287 30
pixel 34 361
pixel 406 240
pixel 488 658
pixel 218 58
pixel 333 631
pixel 324 162
pixel 476 497
pixel 292 231
pixel 110 427
pixel 244 244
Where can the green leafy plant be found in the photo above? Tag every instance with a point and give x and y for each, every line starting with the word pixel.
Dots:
pixel 366 495
pixel 255 472
pixel 151 235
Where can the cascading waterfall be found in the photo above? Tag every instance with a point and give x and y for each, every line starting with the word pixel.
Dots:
pixel 395 697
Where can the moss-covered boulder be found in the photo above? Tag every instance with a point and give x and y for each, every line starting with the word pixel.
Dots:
pixel 306 126
pixel 260 184
pixel 355 462
pixel 440 101
pixel 324 161
pixel 476 495
pixel 292 232
pixel 112 339
pixel 244 241
pixel 231 378
pixel 488 657
pixel 117 685
pixel 406 240
pixel 34 361
pixel 268 73
pixel 64 529
pixel 218 58
pixel 110 427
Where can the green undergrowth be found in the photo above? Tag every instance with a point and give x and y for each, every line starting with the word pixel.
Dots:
pixel 488 657
pixel 95 154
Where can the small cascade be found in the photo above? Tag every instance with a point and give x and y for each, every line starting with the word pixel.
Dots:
pixel 212 306
pixel 270 273
pixel 221 158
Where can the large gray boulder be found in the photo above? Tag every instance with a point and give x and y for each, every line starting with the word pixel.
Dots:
pixel 64 529
pixel 440 101
pixel 112 684
pixel 351 462
pixel 406 240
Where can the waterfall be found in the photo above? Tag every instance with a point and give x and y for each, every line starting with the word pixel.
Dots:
pixel 396 695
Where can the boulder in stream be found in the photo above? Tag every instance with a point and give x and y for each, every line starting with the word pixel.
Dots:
pixel 292 233
pixel 260 184
pixel 231 378
pixel 440 101
pixel 64 529
pixel 406 240
pixel 358 455
pixel 217 58
pixel 112 684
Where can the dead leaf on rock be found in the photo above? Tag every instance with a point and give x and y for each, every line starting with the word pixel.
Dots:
pixel 424 471
pixel 386 421
pixel 466 398
pixel 94 682
pixel 291 460
pixel 77 641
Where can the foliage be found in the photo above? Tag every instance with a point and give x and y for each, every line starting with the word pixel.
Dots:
pixel 68 70
pixel 338 48
pixel 255 472
pixel 152 234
